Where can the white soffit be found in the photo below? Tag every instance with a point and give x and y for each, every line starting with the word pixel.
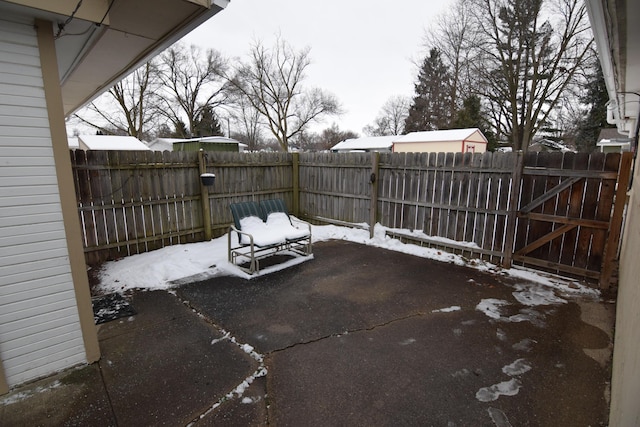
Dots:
pixel 138 30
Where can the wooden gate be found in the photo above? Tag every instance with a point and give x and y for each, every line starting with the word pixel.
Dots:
pixel 570 213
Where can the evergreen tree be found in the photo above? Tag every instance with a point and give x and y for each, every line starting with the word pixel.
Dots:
pixel 430 109
pixel 596 97
pixel 206 124
pixel 471 116
pixel 181 130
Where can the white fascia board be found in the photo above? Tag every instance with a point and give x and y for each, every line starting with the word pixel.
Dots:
pixel 221 3
pixel 600 28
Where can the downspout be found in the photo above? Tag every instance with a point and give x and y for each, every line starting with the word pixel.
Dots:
pixel 600 26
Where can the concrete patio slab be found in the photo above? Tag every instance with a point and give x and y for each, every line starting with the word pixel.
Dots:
pixel 356 336
pixel 364 336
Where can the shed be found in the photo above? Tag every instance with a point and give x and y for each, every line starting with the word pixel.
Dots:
pixel 365 144
pixel 110 142
pixel 207 143
pixel 469 140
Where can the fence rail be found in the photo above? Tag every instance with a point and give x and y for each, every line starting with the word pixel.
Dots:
pixel 544 209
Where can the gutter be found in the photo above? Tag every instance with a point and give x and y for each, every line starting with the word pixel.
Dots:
pixel 600 25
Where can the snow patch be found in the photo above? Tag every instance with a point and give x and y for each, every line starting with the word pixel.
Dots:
pixel 448 309
pixel 534 294
pixel 408 341
pixel 226 336
pixel 499 418
pixel 491 307
pixel 516 368
pixel 524 345
pixel 20 396
pixel 505 388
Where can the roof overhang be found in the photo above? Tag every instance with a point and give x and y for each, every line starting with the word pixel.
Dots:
pixel 617 37
pixel 107 39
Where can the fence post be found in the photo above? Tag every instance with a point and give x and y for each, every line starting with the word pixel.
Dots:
pixel 615 225
pixel 204 196
pixel 512 210
pixel 373 209
pixel 296 184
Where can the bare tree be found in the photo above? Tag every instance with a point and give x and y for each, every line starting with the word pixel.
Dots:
pixel 390 120
pixel 271 81
pixel 129 107
pixel 529 53
pixel 247 124
pixel 454 36
pixel 332 135
pixel 193 83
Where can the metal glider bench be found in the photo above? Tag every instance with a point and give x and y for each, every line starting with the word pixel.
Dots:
pixel 265 228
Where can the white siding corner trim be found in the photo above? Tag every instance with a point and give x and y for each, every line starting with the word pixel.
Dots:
pixel 39 324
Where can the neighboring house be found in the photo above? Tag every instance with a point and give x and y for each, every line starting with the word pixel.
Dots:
pixel 110 142
pixel 206 143
pixel 365 144
pixel 617 145
pixel 610 141
pixel 442 141
pixel 617 37
pixel 161 144
pixel 55 56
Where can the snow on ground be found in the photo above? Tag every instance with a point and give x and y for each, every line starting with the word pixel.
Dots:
pixel 174 265
pixel 17 397
pixel 505 388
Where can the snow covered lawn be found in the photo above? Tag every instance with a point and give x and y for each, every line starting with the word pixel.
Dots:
pixel 179 264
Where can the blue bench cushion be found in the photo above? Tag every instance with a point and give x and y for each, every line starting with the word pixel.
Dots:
pixel 273 205
pixel 246 209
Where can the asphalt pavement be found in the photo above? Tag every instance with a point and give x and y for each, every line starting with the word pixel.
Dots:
pixel 356 336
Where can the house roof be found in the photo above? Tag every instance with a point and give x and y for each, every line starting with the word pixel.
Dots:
pixel 440 135
pixel 366 143
pixel 159 145
pixel 213 139
pixel 111 142
pixel 105 40
pixel 609 133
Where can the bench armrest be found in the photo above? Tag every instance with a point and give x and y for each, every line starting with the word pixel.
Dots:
pixel 233 228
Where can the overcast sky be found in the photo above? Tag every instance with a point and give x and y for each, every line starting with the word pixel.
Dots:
pixel 362 51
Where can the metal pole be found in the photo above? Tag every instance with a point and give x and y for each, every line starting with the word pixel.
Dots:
pixel 204 196
pixel 373 180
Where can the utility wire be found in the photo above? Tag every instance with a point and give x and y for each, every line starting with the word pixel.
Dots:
pixel 64 24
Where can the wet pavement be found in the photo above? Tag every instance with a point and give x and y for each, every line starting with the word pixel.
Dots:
pixel 357 336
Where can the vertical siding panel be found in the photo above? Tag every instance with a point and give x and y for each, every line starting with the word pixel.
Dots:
pixel 36 288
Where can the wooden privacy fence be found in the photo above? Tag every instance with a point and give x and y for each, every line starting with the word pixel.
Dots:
pixel 131 202
pixel 559 212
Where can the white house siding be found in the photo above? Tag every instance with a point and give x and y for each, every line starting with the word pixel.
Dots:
pixel 39 323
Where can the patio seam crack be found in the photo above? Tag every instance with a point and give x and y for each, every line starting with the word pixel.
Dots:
pixel 238 391
pixel 106 391
pixel 352 331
